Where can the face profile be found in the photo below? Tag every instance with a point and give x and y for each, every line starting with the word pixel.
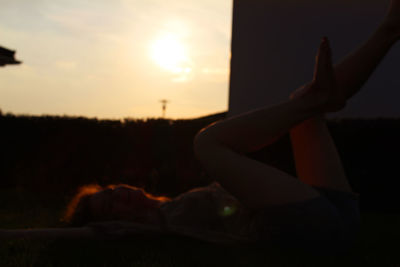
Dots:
pixel 112 202
pixel 115 203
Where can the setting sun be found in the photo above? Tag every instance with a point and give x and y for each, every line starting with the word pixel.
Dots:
pixel 115 59
pixel 170 53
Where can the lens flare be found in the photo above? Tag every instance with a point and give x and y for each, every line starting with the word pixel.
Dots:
pixel 228 211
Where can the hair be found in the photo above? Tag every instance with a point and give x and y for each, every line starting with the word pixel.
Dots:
pixel 78 211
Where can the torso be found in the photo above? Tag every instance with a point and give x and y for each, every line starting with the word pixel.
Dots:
pixel 209 208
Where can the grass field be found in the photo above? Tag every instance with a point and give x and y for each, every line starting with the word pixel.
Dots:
pixel 377 244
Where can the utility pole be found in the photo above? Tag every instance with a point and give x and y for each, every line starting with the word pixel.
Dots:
pixel 164 106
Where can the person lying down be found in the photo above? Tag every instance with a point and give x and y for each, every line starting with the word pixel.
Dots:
pixel 122 211
pixel 252 202
pixel 316 211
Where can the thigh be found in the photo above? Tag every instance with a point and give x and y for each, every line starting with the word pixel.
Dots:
pixel 255 184
pixel 317 160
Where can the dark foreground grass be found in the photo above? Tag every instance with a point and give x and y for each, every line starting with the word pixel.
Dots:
pixel 377 244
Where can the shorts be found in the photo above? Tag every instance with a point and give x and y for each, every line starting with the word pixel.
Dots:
pixel 328 224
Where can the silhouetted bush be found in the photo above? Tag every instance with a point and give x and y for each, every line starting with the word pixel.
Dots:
pixel 56 154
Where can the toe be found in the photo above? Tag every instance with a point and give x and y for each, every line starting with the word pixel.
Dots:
pixel 324 68
pixel 328 54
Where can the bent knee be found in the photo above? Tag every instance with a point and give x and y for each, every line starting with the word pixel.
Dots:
pixel 203 143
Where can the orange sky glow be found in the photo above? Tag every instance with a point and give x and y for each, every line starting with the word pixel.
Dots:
pixel 116 59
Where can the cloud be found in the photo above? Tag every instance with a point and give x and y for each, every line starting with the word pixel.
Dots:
pixel 83 48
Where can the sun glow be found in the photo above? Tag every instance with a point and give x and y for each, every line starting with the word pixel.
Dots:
pixel 171 54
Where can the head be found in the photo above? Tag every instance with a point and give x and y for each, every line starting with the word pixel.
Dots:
pixel 94 203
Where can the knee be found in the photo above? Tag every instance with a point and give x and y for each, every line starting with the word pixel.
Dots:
pixel 205 136
pixel 201 141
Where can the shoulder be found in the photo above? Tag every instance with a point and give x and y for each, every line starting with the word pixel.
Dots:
pixel 211 198
pixel 199 198
pixel 213 190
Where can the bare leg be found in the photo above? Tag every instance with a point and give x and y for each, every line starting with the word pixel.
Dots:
pixel 248 131
pixel 355 69
pixel 220 146
pixel 317 160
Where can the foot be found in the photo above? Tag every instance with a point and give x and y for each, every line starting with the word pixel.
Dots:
pixel 391 22
pixel 322 91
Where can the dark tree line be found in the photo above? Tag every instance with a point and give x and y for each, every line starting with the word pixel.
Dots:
pixel 55 155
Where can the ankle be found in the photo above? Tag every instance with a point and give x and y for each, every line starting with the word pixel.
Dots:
pixel 308 105
pixel 324 99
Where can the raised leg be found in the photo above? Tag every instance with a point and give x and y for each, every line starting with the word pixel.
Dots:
pixel 220 148
pixel 317 160
pixel 355 69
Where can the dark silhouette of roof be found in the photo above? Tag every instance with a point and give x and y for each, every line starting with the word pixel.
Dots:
pixel 7 57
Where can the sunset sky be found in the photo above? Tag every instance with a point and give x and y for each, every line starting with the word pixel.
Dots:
pixel 116 59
